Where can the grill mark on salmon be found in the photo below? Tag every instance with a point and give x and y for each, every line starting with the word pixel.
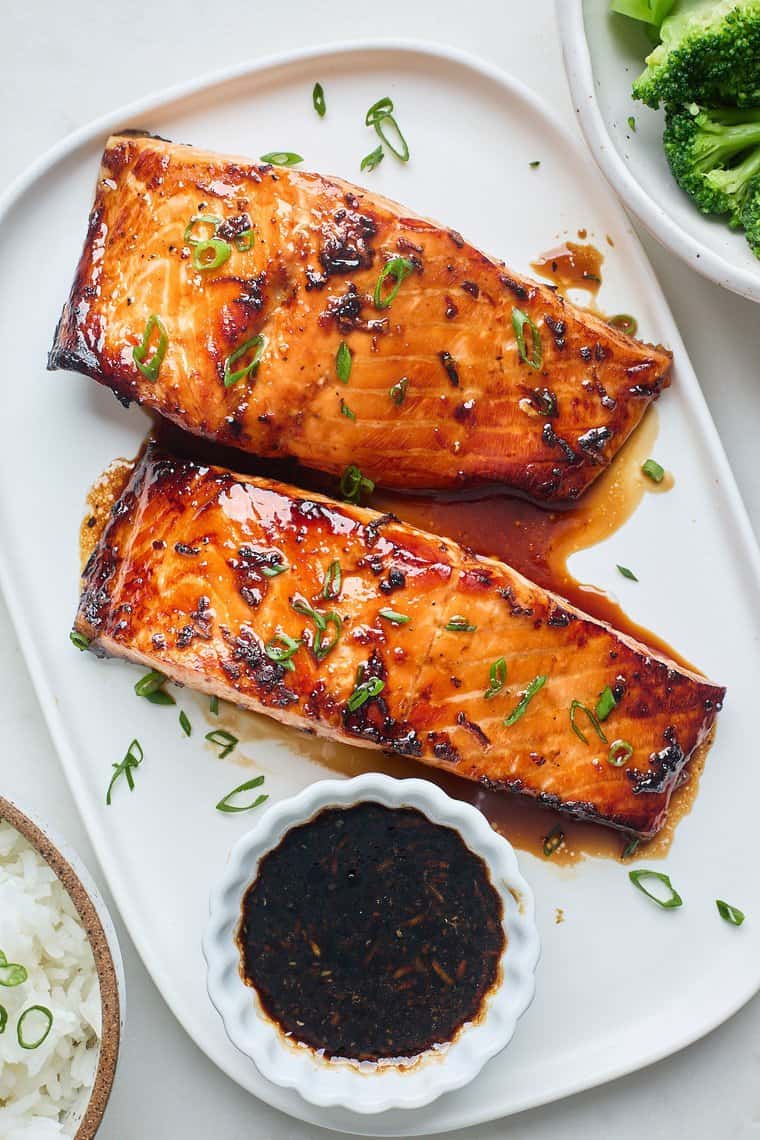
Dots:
pixel 206 618
pixel 306 285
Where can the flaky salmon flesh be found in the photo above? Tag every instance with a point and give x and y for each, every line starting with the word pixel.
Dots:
pixel 345 622
pixel 293 315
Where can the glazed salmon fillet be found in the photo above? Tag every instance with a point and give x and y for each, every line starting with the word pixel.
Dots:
pixel 342 621
pixel 220 293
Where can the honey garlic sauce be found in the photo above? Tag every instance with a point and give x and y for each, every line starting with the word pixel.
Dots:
pixel 571 266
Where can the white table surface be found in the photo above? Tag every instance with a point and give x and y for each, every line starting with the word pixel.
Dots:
pixel 65 63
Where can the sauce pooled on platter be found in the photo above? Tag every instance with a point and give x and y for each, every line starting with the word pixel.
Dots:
pixel 371 933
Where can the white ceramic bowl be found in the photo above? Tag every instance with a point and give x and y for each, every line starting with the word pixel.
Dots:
pixel 603 54
pixel 329 1083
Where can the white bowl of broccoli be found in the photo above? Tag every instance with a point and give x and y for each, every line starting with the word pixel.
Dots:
pixel 668 96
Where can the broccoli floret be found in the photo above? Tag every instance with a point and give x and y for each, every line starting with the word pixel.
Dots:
pixel 713 154
pixel 651 12
pixel 709 53
pixel 749 215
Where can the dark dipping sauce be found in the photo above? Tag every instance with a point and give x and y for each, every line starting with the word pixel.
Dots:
pixel 371 933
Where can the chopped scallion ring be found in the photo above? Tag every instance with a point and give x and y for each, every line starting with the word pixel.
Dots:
pixel 200 220
pixel 638 878
pixel 459 624
pixel 497 678
pixel 322 646
pixel 363 692
pixel 378 110
pixel 574 706
pixel 519 321
pixel 353 484
pixel 225 741
pixel 625 323
pixel 605 704
pixel 730 914
pixel 347 412
pixel 77 639
pixel 213 706
pixel 343 361
pixel 211 254
pixel 281 158
pixel 652 469
pixel 281 650
pixel 398 391
pixel 184 723
pixel 43 1031
pixel 393 617
pixel 255 344
pixel 629 574
pixel 333 581
pixel 396 144
pixel 151 368
pixel 3 1018
pixel 149 683
pixel 373 159
pixel 399 268
pixel 553 841
pixel 519 710
pixel 225 805
pixel 245 241
pixel 133 758
pixel 620 753
pixel 12 974
pixel 318 100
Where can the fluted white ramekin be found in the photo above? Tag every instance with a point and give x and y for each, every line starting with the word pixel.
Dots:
pixel 371 1089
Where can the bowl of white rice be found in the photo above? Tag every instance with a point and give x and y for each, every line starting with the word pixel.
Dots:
pixel 61 988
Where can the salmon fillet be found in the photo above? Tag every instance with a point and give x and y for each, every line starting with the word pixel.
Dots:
pixel 449 384
pixel 338 620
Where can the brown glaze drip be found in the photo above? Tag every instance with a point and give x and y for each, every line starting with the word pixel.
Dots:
pixel 572 266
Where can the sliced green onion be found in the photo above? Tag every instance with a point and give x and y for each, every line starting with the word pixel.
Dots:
pixel 574 706
pixel 519 321
pixel 638 878
pixel 605 704
pixel 245 241
pixel 251 368
pixel 333 581
pixel 497 678
pixel 184 723
pixel 321 646
pixel 519 710
pixel 225 805
pixel 630 847
pixel 625 323
pixel 652 469
pixel 620 753
pixel 363 692
pixel 398 391
pixel 210 254
pixel 198 220
pixel 3 1018
pixel 353 484
pixel 318 99
pixel 281 158
pixel 730 913
pixel 346 411
pixel 12 974
pixel 459 624
pixel 393 617
pixel 535 163
pixel 213 706
pixel 373 159
pixel 343 361
pixel 632 123
pixel 160 697
pixel 133 758
pixel 77 639
pixel 399 268
pixel 553 841
pixel 223 739
pixel 398 146
pixel 281 649
pixel 627 573
pixel 150 683
pixel 272 569
pixel 378 110
pixel 308 611
pixel 35 1044
pixel 151 369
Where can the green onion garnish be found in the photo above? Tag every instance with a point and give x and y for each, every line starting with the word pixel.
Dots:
pixel 553 841
pixel 396 144
pixel 574 706
pixel 245 241
pixel 3 1018
pixel 627 573
pixel 534 164
pixel 225 805
pixel 620 753
pixel 150 687
pixel 353 484
pixel 281 649
pixel 281 158
pixel 213 706
pixel 399 268
pixel 318 99
pixel 151 369
pixel 398 391
pixel 519 321
pixel 653 470
pixel 519 710
pixel 35 1044
pixel 343 361
pixel 363 692
pixel 308 611
pixel 184 723
pixel 272 569
pixel 133 759
pixel 12 974
pixel 393 617
pixel 378 110
pixel 200 220
pixel 639 877
pixel 77 639
pixel 630 847
pixel 225 740
pixel 497 678
pixel 373 159
pixel 333 581
pixel 632 123
pixel 251 368
pixel 730 913
pixel 322 647
pixel 346 411
pixel 211 254
pixel 605 704
pixel 459 624
pixel 625 323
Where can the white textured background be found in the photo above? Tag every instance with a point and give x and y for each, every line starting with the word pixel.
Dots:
pixel 67 61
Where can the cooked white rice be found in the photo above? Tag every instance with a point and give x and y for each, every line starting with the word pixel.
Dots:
pixel 44 1091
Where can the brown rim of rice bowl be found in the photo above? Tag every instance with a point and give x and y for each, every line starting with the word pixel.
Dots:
pixel 104 964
